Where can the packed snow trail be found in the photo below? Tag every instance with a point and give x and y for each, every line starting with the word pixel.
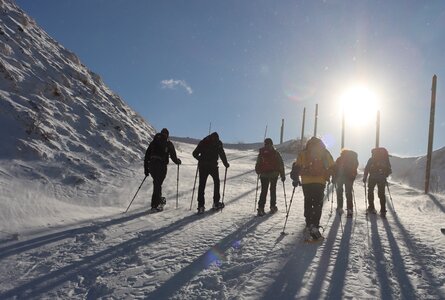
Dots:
pixel 176 254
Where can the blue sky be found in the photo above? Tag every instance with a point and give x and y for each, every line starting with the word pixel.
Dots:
pixel 243 64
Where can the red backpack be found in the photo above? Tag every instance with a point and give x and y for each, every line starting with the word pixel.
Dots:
pixel 268 161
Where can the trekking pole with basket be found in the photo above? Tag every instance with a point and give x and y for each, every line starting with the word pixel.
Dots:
pixel 224 187
pixel 177 186
pixel 287 212
pixel 284 191
pixel 194 185
pixel 135 194
pixel 390 197
pixel 256 193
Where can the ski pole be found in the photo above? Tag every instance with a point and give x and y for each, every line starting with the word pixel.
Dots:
pixel 256 193
pixel 390 197
pixel 224 186
pixel 332 200
pixel 288 210
pixel 284 191
pixel 366 199
pixel 194 185
pixel 353 198
pixel 135 194
pixel 177 186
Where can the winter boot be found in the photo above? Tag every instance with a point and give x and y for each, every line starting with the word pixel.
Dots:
pixel 349 214
pixel 261 212
pixel 156 209
pixel 218 205
pixel 201 210
pixel 340 210
pixel 273 209
pixel 371 210
pixel 383 214
pixel 314 232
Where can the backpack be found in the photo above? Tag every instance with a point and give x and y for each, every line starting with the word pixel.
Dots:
pixel 159 148
pixel 315 161
pixel 268 161
pixel 380 162
pixel 347 164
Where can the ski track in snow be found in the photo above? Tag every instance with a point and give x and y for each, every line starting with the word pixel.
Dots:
pixel 234 254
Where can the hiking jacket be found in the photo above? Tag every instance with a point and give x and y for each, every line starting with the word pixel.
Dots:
pixel 208 151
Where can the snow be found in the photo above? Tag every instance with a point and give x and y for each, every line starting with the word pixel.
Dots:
pixel 71 161
pixel 231 254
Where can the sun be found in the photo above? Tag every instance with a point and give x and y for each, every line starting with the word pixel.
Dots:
pixel 359 105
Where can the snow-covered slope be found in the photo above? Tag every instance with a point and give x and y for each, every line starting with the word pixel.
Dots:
pixel 234 254
pixel 64 134
pixel 411 171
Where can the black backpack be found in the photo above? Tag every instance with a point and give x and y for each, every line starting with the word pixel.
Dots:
pixel 159 147
pixel 380 162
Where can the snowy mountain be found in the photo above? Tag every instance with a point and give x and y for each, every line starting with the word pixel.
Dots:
pixel 58 120
pixel 411 171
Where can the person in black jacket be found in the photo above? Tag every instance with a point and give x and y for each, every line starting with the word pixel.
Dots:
pixel 155 163
pixel 378 168
pixel 207 153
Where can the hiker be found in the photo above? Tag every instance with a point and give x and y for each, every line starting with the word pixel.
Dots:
pixel 207 153
pixel 155 163
pixel 269 165
pixel 315 166
pixel 378 168
pixel 345 172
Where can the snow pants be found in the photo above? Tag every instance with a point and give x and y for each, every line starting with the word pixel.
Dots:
pixel 313 202
pixel 158 171
pixel 347 183
pixel 265 182
pixel 204 172
pixel 380 192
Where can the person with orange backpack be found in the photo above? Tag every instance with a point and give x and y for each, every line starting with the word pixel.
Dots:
pixel 378 168
pixel 345 172
pixel 269 165
pixel 315 166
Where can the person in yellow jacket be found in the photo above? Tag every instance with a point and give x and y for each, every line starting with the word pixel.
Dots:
pixel 315 166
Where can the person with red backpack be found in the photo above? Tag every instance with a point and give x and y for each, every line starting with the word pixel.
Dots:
pixel 315 166
pixel 207 153
pixel 345 172
pixel 269 165
pixel 378 168
pixel 155 163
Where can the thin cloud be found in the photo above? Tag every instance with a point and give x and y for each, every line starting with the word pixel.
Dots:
pixel 172 84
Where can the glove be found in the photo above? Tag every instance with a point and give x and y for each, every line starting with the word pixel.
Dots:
pixel 296 183
pixel 226 165
pixel 178 161
pixel 146 171
pixel 283 179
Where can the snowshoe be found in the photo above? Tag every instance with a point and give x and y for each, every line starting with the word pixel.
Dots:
pixel 201 210
pixel 156 209
pixel 371 210
pixel 218 206
pixel 273 209
pixel 314 232
pixel 261 212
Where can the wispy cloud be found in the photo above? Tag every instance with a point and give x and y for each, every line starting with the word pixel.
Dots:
pixel 172 84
